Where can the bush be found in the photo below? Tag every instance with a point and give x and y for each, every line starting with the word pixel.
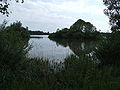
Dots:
pixel 108 52
pixel 13 43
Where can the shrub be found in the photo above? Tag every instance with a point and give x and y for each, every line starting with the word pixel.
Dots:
pixel 108 52
pixel 12 50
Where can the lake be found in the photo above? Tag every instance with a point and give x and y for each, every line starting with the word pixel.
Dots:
pixel 47 49
pixel 57 49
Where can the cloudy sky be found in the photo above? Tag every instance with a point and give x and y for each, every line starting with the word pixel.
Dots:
pixel 48 15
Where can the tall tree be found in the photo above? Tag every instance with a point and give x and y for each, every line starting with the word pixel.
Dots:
pixel 4 4
pixel 113 12
pixel 82 26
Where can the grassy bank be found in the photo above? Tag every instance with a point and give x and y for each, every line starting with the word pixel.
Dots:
pixel 73 74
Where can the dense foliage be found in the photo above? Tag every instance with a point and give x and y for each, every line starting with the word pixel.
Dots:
pixel 113 12
pixel 108 52
pixel 79 30
pixel 13 43
pixel 75 73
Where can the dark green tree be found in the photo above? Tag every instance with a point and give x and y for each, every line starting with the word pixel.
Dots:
pixel 113 12
pixel 4 5
pixel 82 26
pixel 79 30
pixel 13 42
pixel 108 52
pixel 19 30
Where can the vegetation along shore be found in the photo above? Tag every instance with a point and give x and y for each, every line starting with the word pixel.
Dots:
pixel 94 67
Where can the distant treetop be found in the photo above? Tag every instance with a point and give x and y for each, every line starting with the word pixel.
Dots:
pixel 81 25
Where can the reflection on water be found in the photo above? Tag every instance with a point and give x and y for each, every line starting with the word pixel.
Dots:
pixel 77 46
pixel 58 49
pixel 48 49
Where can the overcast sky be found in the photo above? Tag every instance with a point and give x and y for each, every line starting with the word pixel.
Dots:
pixel 48 15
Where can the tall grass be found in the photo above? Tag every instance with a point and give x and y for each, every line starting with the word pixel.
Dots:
pixel 78 74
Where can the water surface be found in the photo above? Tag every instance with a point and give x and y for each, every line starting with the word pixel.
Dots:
pixel 47 49
pixel 58 49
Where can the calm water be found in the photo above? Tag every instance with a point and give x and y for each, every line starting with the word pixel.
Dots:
pixel 48 49
pixel 57 49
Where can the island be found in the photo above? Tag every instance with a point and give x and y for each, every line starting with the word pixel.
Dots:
pixel 79 30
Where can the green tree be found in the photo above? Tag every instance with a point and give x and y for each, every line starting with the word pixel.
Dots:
pixel 108 52
pixel 113 12
pixel 82 26
pixel 13 43
pixel 4 5
pixel 19 29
